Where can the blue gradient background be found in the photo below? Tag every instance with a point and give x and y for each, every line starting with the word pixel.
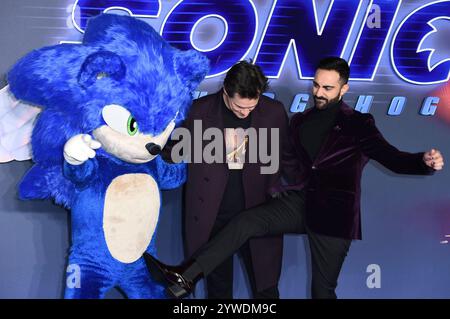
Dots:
pixel 405 219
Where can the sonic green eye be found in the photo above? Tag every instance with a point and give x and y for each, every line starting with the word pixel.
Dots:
pixel 120 119
pixel 132 126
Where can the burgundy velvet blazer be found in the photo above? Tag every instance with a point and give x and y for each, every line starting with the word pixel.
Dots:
pixel 332 182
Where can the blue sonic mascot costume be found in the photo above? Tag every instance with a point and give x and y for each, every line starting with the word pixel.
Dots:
pixel 108 106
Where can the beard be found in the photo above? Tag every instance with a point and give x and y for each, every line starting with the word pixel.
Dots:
pixel 323 103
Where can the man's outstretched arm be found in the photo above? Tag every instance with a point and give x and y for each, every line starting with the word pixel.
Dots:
pixel 375 146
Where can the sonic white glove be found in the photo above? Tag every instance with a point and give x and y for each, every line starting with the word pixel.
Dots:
pixel 79 148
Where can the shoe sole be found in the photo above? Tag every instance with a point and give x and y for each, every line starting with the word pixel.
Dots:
pixel 172 289
pixel 176 291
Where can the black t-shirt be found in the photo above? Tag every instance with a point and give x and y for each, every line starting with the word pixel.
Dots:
pixel 233 200
pixel 316 127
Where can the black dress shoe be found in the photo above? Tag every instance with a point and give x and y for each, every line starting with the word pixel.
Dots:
pixel 170 276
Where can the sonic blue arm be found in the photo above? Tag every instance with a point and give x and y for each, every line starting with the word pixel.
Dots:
pixel 170 175
pixel 82 174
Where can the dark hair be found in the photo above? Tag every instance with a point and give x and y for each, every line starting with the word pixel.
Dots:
pixel 246 79
pixel 337 64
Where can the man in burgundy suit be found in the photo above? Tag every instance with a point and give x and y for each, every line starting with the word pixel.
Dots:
pixel 216 192
pixel 331 144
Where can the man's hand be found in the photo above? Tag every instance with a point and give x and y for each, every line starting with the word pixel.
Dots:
pixel 79 148
pixel 433 159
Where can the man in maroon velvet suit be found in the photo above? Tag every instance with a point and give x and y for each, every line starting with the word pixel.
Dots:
pixel 331 144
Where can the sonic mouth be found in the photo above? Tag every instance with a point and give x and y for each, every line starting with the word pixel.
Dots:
pixel 140 160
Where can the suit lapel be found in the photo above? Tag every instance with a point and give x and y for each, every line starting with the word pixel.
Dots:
pixel 330 140
pixel 214 119
pixel 335 132
pixel 214 115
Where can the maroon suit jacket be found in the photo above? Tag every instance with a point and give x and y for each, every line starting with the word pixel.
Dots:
pixel 206 184
pixel 332 182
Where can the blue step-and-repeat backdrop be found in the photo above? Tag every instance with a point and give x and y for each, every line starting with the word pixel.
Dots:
pixel 399 54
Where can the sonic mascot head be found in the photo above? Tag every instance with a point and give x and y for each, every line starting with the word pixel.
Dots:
pixel 108 107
